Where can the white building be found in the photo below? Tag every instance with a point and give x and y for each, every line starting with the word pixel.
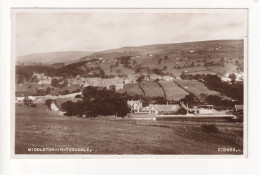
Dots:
pixel 135 105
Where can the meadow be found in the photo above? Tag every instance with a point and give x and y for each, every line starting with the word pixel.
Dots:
pixel 197 88
pixel 152 89
pixel 173 91
pixel 132 89
pixel 41 128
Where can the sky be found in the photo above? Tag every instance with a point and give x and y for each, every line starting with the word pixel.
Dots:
pixel 90 31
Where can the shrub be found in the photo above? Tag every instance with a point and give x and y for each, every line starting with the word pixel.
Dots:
pixel 76 90
pixel 209 128
pixel 48 102
pixel 78 96
pixel 65 92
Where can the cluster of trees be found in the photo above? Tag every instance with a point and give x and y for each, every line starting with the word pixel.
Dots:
pixel 212 63
pixel 29 102
pixel 217 101
pixel 60 82
pixel 234 90
pixel 98 101
pixel 42 92
pixel 25 73
pixel 158 71
pixel 125 61
pixel 150 100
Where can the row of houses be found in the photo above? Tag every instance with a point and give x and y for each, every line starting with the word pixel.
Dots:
pixel 117 82
pixel 157 109
pixel 180 109
pixel 152 77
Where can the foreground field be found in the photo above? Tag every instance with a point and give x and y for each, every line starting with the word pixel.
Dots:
pixel 41 128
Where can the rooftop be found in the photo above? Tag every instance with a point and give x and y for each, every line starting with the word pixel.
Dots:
pixel 167 107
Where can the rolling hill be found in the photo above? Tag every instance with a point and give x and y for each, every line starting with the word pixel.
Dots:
pixel 52 57
pixel 232 48
pixel 214 57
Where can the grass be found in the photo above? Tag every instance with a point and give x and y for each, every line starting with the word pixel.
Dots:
pixel 41 128
pixel 173 91
pixel 132 89
pixel 30 89
pixel 152 89
pixel 197 88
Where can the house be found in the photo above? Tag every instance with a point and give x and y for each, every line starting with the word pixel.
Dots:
pixel 155 77
pixel 135 105
pixel 239 112
pixel 167 78
pixel 165 109
pixel 239 107
pixel 147 78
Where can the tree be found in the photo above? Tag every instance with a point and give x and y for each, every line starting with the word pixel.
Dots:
pixel 40 92
pixel 188 99
pixel 112 88
pixel 102 73
pixel 159 61
pixel 140 79
pixel 55 82
pixel 232 77
pixel 78 96
pixel 48 90
pixel 65 92
pixel 34 79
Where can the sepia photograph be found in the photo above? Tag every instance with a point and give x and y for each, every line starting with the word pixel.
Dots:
pixel 129 82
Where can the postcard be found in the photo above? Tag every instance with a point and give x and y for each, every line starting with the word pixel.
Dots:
pixel 129 83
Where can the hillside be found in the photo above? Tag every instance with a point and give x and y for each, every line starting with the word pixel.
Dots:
pixel 189 49
pixel 214 57
pixel 52 57
pixel 204 57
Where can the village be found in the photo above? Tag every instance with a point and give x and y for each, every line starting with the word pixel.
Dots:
pixel 138 110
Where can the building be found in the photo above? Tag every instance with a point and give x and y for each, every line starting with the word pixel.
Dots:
pixel 135 105
pixel 147 77
pixel 155 77
pixel 165 109
pixel 239 107
pixel 167 78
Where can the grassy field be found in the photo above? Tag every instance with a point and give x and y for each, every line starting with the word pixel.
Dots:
pixel 197 88
pixel 173 91
pixel 30 89
pixel 132 89
pixel 41 128
pixel 152 89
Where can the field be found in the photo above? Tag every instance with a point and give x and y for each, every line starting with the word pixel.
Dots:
pixel 132 89
pixel 173 91
pixel 41 128
pixel 152 89
pixel 30 89
pixel 197 88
